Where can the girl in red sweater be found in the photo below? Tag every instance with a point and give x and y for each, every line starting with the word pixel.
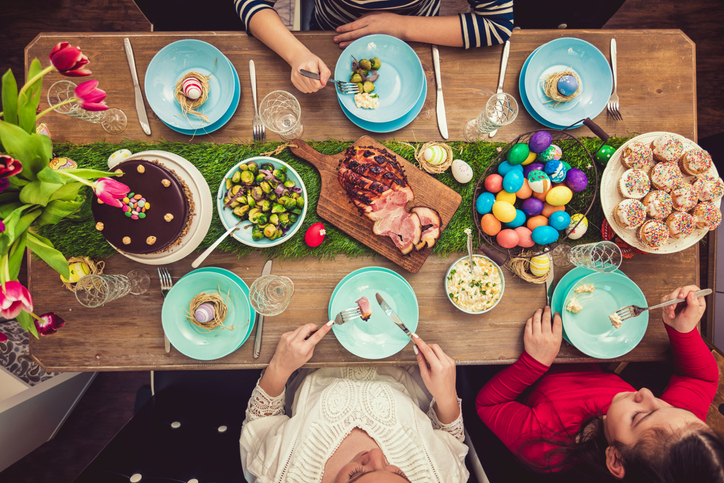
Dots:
pixel 579 416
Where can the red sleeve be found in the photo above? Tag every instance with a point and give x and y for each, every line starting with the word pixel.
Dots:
pixel 694 385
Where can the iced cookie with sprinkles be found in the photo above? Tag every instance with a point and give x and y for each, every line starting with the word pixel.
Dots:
pixel 658 204
pixel 680 224
pixel 708 187
pixel 634 183
pixel 638 155
pixel 695 162
pixel 684 198
pixel 706 215
pixel 653 234
pixel 630 213
pixel 666 176
pixel 667 148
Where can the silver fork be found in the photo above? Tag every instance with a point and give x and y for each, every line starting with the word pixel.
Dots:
pixel 257 127
pixel 166 284
pixel 344 87
pixel 347 315
pixel 635 311
pixel 612 106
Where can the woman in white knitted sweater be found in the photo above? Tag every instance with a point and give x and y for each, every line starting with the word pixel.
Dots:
pixel 354 424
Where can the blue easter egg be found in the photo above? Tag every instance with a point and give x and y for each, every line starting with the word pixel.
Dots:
pixel 559 220
pixel 533 167
pixel 519 219
pixel 545 235
pixel 505 167
pixel 513 181
pixel 484 203
pixel 532 206
pixel 556 170
pixel 567 85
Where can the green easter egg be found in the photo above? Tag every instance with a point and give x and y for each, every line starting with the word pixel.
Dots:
pixel 604 154
pixel 518 153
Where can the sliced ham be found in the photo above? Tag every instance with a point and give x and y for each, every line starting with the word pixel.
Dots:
pixel 430 221
pixel 364 308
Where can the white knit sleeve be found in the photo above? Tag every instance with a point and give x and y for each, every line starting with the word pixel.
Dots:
pixel 262 405
pixel 456 428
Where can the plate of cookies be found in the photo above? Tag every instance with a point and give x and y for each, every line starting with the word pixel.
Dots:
pixel 661 192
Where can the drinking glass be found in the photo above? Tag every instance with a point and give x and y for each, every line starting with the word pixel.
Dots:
pixel 112 120
pixel 603 256
pixel 270 294
pixel 139 280
pixel 95 290
pixel 280 112
pixel 500 110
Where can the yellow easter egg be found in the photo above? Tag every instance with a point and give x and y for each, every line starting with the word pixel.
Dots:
pixel 578 231
pixel 559 196
pixel 505 196
pixel 531 157
pixel 77 271
pixel 539 266
pixel 504 211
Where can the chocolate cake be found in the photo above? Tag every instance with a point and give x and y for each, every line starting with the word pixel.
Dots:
pixel 156 214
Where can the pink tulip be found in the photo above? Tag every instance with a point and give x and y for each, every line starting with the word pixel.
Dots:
pixel 9 166
pixel 110 191
pixel 49 323
pixel 69 60
pixel 91 99
pixel 14 298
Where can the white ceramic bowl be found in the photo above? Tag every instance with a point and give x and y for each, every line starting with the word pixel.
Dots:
pixel 475 257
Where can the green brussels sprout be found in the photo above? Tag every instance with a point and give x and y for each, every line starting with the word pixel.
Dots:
pixel 267 166
pixel 277 208
pixel 355 77
pixel 376 63
pixel 243 167
pixel 265 187
pixel 279 233
pixel 226 200
pixel 257 193
pixel 289 184
pixel 247 177
pixel 274 219
pixel 235 189
pixel 250 200
pixel 293 217
pixel 242 211
pixel 270 230
pixel 300 202
pixel 290 204
pixel 283 199
pixel 262 219
pixel 229 184
pixel 280 175
pixel 283 168
pixel 265 205
pixel 234 204
pixel 253 214
pixel 260 177
pixel 295 195
pixel 297 211
pixel 272 196
pixel 257 235
pixel 365 64
pixel 368 86
pixel 360 87
pixel 236 176
pixel 241 199
pixel 284 220
pixel 253 167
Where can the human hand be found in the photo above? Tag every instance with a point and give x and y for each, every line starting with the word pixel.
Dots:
pixel 542 339
pixel 685 315
pixel 372 23
pixel 295 349
pixel 438 373
pixel 312 63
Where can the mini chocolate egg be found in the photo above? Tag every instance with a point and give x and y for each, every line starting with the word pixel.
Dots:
pixel 76 271
pixel 532 206
pixel 559 196
pixel 531 157
pixel 315 235
pixel 461 171
pixel 507 238
pixel 504 167
pixel 576 180
pixel 549 209
pixel 435 155
pixel 484 203
pixel 604 153
pixel 525 238
pixel 504 211
pixel 192 88
pixel 545 235
pixel 556 170
pixel 559 220
pixel 551 153
pixel 575 232
pixel 204 312
pixel 540 265
pixel 567 85
pixel 536 221
pixel 490 224
pixel 540 141
pixel 537 166
pixel 62 163
pixel 519 220
pixel 539 181
pixel 513 181
pixel 518 153
pixel 505 196
pixel 493 183
pixel 524 192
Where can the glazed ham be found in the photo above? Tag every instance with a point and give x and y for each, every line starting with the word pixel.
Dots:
pixel 377 185
pixel 364 308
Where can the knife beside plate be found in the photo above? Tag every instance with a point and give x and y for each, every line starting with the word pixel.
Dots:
pixel 392 315
pixel 441 118
pixel 140 106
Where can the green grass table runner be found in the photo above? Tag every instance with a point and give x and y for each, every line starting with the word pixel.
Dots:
pixel 76 236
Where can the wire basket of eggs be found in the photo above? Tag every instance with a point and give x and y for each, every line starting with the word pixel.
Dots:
pixel 536 194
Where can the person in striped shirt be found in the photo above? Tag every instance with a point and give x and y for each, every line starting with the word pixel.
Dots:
pixel 490 22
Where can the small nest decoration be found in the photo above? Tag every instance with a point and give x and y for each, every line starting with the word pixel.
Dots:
pixel 190 106
pixel 95 268
pixel 520 266
pixel 431 168
pixel 220 312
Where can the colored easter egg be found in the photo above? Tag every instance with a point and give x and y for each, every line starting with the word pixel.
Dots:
pixel 524 192
pixel 540 265
pixel 435 155
pixel 490 224
pixel 536 221
pixel 545 235
pixel 576 180
pixel 505 196
pixel 484 203
pixel 531 157
pixel 192 88
pixel 559 220
pixel 77 270
pixel 518 153
pixel 513 181
pixel 567 85
pixel 204 313
pixel 539 181
pixel 549 209
pixel 507 238
pixel 532 206
pixel 604 153
pixel 519 220
pixel 118 156
pixel 540 141
pixel 62 163
pixel 504 167
pixel 525 238
pixel 568 166
pixel 315 235
pixel 556 170
pixel 537 166
pixel 504 211
pixel 493 183
pixel 559 196
pixel 551 153
pixel 540 196
pixel 461 171
pixel 575 232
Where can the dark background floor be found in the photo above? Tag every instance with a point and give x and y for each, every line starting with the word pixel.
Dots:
pixel 108 404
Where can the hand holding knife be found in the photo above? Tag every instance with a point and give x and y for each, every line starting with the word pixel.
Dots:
pixel 501 79
pixel 140 106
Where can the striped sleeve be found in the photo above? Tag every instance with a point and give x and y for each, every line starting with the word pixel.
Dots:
pixel 246 9
pixel 489 23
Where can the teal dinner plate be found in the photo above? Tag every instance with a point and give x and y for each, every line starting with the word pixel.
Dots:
pixel 174 61
pixel 401 77
pixel 194 342
pixel 590 330
pixel 378 337
pixel 526 102
pixel 243 234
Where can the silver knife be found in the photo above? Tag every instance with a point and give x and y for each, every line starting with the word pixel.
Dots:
pixel 441 118
pixel 501 79
pixel 260 318
pixel 392 315
pixel 140 106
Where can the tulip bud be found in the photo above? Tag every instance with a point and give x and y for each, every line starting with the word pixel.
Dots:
pixel 69 60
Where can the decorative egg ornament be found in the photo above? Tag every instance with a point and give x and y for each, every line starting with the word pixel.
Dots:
pixel 604 153
pixel 531 157
pixel 205 313
pixel 559 196
pixel 493 183
pixel 504 167
pixel 559 220
pixel 545 235
pixel 508 238
pixel 435 155
pixel 484 203
pixel 537 166
pixel 518 153
pixel 525 238
pixel 576 180
pixel 539 181
pixel 461 171
pixel 315 235
pixel 567 85
pixel 118 156
pixel 504 211
pixel 62 163
pixel 556 170
pixel 192 88
pixel 578 231
pixel 551 153
pixel 540 141
pixel 77 270
pixel 540 266
pixel 513 181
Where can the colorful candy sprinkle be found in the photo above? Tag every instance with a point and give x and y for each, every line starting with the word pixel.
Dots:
pixel 135 206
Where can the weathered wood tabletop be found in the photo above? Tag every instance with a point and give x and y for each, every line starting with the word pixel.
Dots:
pixel 127 335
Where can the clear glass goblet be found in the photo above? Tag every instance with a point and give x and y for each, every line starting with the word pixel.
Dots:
pixel 112 120
pixel 500 110
pixel 280 112
pixel 98 289
pixel 269 295
pixel 604 256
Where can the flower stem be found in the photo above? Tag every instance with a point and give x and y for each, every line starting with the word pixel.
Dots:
pixel 63 172
pixel 32 81
pixel 52 108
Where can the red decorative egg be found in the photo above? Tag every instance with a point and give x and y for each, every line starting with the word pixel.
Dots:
pixel 315 235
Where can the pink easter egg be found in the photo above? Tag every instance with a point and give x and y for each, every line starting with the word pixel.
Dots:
pixel 525 237
pixel 192 88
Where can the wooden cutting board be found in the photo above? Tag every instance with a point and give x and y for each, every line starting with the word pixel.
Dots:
pixel 335 206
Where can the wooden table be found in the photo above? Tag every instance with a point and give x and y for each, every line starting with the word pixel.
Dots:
pixel 127 335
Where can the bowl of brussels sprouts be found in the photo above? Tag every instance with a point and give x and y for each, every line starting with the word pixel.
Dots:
pixel 268 195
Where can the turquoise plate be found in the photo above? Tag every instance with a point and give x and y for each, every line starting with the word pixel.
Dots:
pixel 174 61
pixel 590 330
pixel 209 128
pixel 526 103
pixel 401 81
pixel 206 346
pixel 377 337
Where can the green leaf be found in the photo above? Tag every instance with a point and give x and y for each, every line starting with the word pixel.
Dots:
pixel 57 210
pixel 25 221
pixel 33 150
pixel 12 220
pixel 16 255
pixel 43 248
pixel 10 98
pixel 49 175
pixel 7 208
pixel 4 244
pixel 68 192
pixel 8 196
pixel 28 101
pixel 38 193
pixel 89 173
pixel 17 182
pixel 26 322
